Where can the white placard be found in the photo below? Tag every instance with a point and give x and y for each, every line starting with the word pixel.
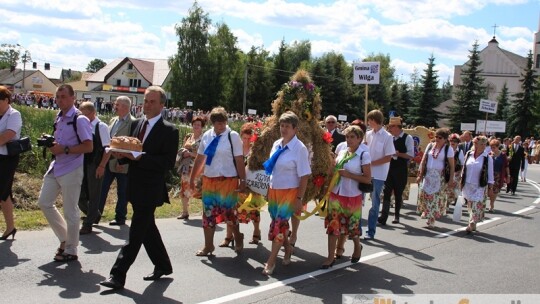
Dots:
pixel 252 111
pixel 366 72
pixel 488 106
pixel 491 126
pixel 189 103
pixel 342 117
pixel 468 126
pixel 258 181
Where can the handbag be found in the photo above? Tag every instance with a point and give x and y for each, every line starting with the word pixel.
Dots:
pixel 365 188
pixel 18 146
pixel 456 216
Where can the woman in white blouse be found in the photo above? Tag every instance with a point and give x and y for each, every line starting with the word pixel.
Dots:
pixel 452 193
pixel 345 200
pixel 431 178
pixel 289 171
pixel 477 175
pixel 10 129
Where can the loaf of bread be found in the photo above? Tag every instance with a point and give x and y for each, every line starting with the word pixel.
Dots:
pixel 126 143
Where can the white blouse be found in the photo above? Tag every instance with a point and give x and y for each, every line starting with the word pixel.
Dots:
pixel 438 163
pixel 291 165
pixel 347 186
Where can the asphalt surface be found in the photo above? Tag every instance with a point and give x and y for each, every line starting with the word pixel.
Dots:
pixel 406 258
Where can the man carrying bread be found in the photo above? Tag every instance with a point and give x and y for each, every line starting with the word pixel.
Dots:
pixel 147 190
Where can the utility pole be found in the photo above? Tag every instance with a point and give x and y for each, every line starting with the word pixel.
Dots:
pixel 25 58
pixel 245 90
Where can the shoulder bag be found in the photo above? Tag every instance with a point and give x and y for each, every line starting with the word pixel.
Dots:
pixel 365 188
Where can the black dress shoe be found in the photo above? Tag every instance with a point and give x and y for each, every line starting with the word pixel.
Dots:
pixel 117 223
pixel 395 221
pixel 381 222
pixel 112 283
pixel 156 275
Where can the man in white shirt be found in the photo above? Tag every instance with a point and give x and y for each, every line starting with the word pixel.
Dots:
pixel 381 150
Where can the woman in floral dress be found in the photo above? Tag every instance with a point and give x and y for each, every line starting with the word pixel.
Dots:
pixel 184 163
pixel 345 200
pixel 431 177
pixel 477 176
pixel 452 193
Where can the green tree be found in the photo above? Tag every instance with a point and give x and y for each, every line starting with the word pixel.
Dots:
pixel 446 91
pixel 260 93
pixel 9 56
pixel 95 65
pixel 423 112
pixel 224 60
pixel 297 54
pixel 503 103
pixel 468 93
pixel 189 66
pixel 521 117
pixel 281 72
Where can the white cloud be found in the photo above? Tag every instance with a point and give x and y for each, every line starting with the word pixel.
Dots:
pixel 246 41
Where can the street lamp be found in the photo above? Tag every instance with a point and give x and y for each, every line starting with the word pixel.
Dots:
pixel 25 58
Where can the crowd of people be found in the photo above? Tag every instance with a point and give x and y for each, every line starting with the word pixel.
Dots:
pixel 371 157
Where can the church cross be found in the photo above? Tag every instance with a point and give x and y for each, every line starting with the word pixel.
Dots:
pixel 494 29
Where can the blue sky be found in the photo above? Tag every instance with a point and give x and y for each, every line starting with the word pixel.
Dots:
pixel 69 33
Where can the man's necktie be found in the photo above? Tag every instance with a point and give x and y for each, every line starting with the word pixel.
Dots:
pixel 210 151
pixel 271 162
pixel 143 131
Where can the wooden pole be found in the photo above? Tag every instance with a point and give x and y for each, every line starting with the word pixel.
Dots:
pixel 366 105
pixel 485 124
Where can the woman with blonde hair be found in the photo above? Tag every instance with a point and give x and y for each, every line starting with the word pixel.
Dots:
pixel 345 200
pixel 432 179
pixel 476 177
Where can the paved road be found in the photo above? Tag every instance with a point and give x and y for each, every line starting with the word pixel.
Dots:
pixel 503 257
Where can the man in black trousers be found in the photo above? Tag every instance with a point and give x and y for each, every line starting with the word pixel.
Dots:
pixel 399 170
pixel 516 155
pixel 147 190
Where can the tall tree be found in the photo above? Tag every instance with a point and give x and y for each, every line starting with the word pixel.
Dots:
pixel 521 117
pixel 224 60
pixel 406 101
pixel 281 72
pixel 297 53
pixel 9 56
pixel 468 93
pixel 260 93
pixel 189 66
pixel 95 65
pixel 503 101
pixel 446 91
pixel 423 112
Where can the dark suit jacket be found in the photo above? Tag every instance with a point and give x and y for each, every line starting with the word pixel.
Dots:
pixel 337 138
pixel 461 147
pixel 146 177
pixel 517 160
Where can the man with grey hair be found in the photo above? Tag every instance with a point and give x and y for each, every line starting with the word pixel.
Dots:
pixel 120 125
pixel 331 127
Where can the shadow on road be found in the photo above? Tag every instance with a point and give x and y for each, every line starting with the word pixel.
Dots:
pixel 70 278
pixel 152 294
pixel 7 257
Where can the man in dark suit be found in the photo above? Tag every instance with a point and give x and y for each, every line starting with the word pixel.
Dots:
pixel 516 155
pixel 147 190
pixel 331 124
pixel 466 142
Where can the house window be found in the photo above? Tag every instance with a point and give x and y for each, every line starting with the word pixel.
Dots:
pixel 138 83
pixel 538 61
pixel 118 82
pixel 135 83
pixel 130 66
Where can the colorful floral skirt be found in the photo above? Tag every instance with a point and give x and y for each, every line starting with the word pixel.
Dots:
pixel 186 191
pixel 431 196
pixel 281 208
pixel 220 199
pixel 253 213
pixel 453 193
pixel 499 183
pixel 476 197
pixel 344 214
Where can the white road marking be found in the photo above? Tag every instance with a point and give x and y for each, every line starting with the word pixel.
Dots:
pixel 252 291
pixel 524 210
pixel 445 234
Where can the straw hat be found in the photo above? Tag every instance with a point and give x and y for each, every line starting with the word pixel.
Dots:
pixel 395 121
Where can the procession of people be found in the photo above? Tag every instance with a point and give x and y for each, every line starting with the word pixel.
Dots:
pixel 213 166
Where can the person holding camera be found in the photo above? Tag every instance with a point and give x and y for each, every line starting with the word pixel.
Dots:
pixel 72 139
pixel 10 129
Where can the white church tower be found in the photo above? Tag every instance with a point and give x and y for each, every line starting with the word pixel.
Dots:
pixel 536 54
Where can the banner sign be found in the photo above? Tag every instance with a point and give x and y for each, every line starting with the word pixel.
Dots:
pixel 342 117
pixel 366 73
pixel 252 111
pixel 257 181
pixel 468 126
pixel 488 106
pixel 189 103
pixel 490 126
